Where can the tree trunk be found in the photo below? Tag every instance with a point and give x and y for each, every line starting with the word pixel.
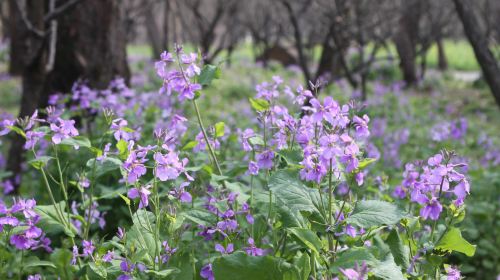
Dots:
pixel 91 44
pixel 154 34
pixel 17 36
pixel 33 58
pixel 405 39
pixel 479 42
pixel 442 61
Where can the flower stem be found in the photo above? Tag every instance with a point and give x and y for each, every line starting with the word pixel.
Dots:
pixel 205 136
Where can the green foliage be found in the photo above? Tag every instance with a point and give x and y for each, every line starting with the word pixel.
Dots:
pixel 241 266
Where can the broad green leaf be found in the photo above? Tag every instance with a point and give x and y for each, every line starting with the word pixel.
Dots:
pixel 388 269
pixel 62 259
pixel 99 270
pixel 208 74
pixel 303 264
pixel 104 166
pixel 399 251
pixel 79 141
pixel 259 105
pixel 243 267
pixel 291 156
pixel 369 213
pixel 162 274
pixel 256 140
pixel 294 198
pixel 50 220
pixel 351 257
pixel 307 238
pixel 453 241
pixel 219 129
pixel 40 162
pixel 35 262
pixel 200 217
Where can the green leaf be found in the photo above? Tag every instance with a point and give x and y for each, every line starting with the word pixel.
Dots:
pixel 219 129
pixel 122 147
pixel 200 217
pixel 62 259
pixel 369 213
pixel 293 197
pixel 104 166
pixel 303 264
pixel 162 274
pixel 51 221
pixel 17 130
pixel 452 240
pixel 190 145
pixel 208 74
pixel 259 105
pixel 399 251
pixel 256 140
pixel 291 156
pixel 353 256
pixel 79 141
pixel 35 262
pixel 365 162
pixel 40 162
pixel 99 270
pixel 126 199
pixel 243 267
pixel 388 270
pixel 307 238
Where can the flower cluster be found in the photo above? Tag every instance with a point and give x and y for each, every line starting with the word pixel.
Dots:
pixel 438 179
pixel 180 80
pixel 21 218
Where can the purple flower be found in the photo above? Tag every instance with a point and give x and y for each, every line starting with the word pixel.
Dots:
pixel 253 168
pixel 35 277
pixel 21 242
pixel 181 194
pixel 358 273
pixel 75 255
pixel 252 250
pixel 63 129
pixel 169 251
pixel 120 233
pixel 432 209
pixel 207 273
pixel 265 159
pixel 88 248
pixel 32 137
pixel 134 167
pixel 350 230
pixel 452 272
pixel 228 250
pixel 9 220
pixel 169 166
pixel 244 136
pixel 361 126
pixel 119 127
pixel 108 257
pixel 4 126
pixel 143 193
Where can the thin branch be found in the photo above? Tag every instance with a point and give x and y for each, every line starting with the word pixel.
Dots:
pixel 27 22
pixel 59 10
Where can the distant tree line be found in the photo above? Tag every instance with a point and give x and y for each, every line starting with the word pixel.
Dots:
pixel 55 42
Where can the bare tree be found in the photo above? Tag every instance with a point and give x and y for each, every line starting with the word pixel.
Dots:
pixel 60 44
pixel 479 42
